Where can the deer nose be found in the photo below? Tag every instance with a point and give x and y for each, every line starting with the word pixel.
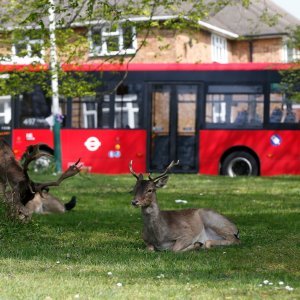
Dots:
pixel 134 202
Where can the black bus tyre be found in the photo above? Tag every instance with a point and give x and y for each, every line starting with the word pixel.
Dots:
pixel 239 163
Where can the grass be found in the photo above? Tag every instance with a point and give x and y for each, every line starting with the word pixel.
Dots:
pixel 70 256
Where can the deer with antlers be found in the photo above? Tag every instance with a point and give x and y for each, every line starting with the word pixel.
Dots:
pixel 24 196
pixel 178 230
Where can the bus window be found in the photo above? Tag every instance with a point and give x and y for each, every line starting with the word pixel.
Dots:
pixel 127 106
pixel 234 106
pixel 282 109
pixel 5 110
pixel 89 110
pixel 187 95
pixel 126 111
pixel 34 109
pixel 120 110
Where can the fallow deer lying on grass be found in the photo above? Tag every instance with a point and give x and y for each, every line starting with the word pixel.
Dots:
pixel 23 196
pixel 178 230
pixel 46 203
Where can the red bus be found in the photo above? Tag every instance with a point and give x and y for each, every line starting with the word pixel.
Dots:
pixel 229 119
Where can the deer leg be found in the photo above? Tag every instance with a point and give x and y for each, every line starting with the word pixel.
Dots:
pixel 229 240
pixel 185 244
pixel 150 247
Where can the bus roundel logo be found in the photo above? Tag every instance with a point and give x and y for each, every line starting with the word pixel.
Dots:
pixel 92 143
pixel 275 140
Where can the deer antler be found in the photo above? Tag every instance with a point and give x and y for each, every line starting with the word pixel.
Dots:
pixel 131 170
pixel 72 170
pixel 169 167
pixel 34 152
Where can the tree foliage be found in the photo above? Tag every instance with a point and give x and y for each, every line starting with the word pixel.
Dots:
pixel 72 44
pixel 291 78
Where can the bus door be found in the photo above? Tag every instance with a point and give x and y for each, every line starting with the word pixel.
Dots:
pixel 174 134
pixel 5 118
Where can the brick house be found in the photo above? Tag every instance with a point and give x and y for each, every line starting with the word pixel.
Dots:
pixel 220 39
pixel 232 35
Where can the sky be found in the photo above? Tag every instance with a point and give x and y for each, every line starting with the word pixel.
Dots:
pixel 291 6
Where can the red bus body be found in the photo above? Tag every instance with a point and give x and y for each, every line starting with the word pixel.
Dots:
pixel 276 148
pixel 118 147
pixel 100 151
pixel 274 159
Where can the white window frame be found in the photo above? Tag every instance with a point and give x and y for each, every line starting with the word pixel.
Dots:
pixel 219 112
pixel 290 54
pixel 127 107
pixel 28 58
pixel 219 49
pixel 6 113
pixel 89 112
pixel 105 35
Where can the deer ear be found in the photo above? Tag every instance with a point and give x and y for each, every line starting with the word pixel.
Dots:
pixel 161 182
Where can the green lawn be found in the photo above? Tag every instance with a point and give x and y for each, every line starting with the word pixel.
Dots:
pixel 71 256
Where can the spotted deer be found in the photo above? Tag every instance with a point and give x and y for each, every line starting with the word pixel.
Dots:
pixel 178 230
pixel 24 196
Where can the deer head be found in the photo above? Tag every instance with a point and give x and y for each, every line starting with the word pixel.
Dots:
pixel 145 189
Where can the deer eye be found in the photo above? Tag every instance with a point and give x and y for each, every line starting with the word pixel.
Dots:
pixel 149 191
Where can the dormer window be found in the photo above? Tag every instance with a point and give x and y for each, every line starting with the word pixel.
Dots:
pixel 114 39
pixel 219 49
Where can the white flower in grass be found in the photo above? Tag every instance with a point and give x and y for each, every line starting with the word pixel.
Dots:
pixel 270 283
pixel 58 262
pixel 160 276
pixel 289 288
pixel 77 296
pixel 119 284
pixel 260 284
pixel 181 201
pixel 281 283
pixel 265 281
pixel 109 273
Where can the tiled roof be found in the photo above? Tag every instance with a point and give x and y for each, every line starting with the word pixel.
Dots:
pixel 235 19
pixel 263 17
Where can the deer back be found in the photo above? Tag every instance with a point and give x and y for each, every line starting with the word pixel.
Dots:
pixel 45 204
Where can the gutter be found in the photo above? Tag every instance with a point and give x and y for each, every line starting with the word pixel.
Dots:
pixel 219 30
pixel 265 35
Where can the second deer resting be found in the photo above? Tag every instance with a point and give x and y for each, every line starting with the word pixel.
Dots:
pixel 178 230
pixel 20 193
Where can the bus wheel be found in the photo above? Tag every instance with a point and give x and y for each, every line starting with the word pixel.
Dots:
pixel 239 163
